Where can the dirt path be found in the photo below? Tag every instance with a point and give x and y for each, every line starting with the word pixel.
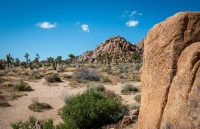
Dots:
pixel 48 94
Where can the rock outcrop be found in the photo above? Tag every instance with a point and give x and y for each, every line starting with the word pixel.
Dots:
pixel 171 74
pixel 115 46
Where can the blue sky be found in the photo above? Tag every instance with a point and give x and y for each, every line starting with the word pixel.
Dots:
pixel 61 27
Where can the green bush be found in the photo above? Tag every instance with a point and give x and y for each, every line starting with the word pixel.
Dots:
pixel 35 74
pixel 33 123
pixel 23 86
pixel 138 98
pixel 53 78
pixel 128 88
pixel 96 86
pixel 67 98
pixel 92 110
pixel 67 76
pixel 136 77
pixel 105 79
pixel 86 74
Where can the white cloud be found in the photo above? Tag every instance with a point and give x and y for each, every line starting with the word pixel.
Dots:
pixel 85 28
pixel 132 23
pixel 132 13
pixel 46 25
pixel 77 23
pixel 140 14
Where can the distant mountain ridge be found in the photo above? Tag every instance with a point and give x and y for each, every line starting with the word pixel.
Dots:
pixel 114 46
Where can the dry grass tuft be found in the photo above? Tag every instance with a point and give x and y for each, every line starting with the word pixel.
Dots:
pixel 36 106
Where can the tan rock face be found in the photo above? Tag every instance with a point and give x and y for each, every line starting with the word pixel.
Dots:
pixel 171 74
pixel 114 45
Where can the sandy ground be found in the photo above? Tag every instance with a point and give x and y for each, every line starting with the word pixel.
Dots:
pixel 48 94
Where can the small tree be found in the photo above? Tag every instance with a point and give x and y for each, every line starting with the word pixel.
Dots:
pixel 37 59
pixel 71 57
pixel 27 59
pixel 59 59
pixel 17 61
pixel 54 62
pixel 8 60
pixel 107 58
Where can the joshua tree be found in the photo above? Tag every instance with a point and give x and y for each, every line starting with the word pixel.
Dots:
pixel 37 59
pixel 59 59
pixel 101 58
pixel 12 61
pixel 136 56
pixel 54 62
pixel 107 58
pixel 71 57
pixel 8 60
pixel 27 59
pixel 17 61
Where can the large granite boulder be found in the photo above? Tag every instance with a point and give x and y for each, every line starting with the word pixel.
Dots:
pixel 171 74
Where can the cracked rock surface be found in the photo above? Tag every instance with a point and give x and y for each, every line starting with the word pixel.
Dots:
pixel 171 74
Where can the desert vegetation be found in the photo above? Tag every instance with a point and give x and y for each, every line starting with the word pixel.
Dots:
pixel 97 105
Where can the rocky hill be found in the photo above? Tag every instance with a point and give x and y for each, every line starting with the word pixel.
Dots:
pixel 171 74
pixel 114 46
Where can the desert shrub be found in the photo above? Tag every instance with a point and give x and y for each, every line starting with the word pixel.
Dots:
pixel 6 70
pixel 105 79
pixel 35 74
pixel 96 86
pixel 123 70
pixel 23 86
pixel 111 93
pixel 2 80
pixel 60 68
pixel 109 72
pixel 67 98
pixel 67 76
pixel 53 78
pixel 123 75
pixel 137 67
pixel 138 98
pixel 92 66
pixel 136 77
pixel 135 107
pixel 68 124
pixel 128 88
pixel 3 102
pixel 92 110
pixel 105 69
pixel 33 123
pixel 2 73
pixel 37 106
pixel 86 74
pixel 14 70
